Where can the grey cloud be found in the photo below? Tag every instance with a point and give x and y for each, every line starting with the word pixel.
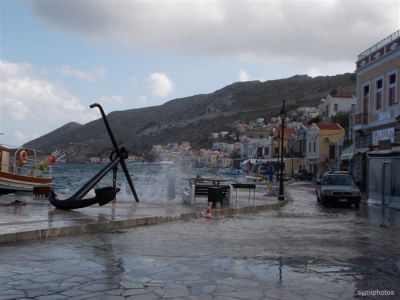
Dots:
pixel 311 30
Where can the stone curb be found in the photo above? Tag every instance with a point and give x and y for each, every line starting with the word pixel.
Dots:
pixel 110 226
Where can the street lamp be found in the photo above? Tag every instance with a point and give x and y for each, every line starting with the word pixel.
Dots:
pixel 282 114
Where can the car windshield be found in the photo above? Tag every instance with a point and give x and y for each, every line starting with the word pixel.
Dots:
pixel 337 180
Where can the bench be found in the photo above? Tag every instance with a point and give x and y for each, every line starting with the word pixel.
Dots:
pixel 204 190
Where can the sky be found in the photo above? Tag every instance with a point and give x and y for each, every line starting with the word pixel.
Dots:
pixel 59 56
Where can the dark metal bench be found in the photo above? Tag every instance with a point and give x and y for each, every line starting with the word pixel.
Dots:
pixel 249 186
pixel 212 192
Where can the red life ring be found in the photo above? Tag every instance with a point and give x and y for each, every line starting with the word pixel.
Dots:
pixel 22 157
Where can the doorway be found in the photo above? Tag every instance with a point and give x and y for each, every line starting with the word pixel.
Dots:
pixel 386 182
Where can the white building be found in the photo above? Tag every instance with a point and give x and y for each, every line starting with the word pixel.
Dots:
pixel 312 150
pixel 335 103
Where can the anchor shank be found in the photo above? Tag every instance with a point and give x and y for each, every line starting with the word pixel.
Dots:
pixel 92 182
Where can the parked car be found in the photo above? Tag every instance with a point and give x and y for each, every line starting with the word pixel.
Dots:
pixel 338 187
pixel 303 175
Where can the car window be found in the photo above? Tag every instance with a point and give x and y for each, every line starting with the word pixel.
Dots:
pixel 337 180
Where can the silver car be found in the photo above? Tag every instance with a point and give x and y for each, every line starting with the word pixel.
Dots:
pixel 338 188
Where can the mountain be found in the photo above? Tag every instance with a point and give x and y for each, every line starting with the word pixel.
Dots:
pixel 192 118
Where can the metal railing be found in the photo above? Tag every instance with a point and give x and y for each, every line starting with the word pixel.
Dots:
pixel 379 45
pixel 29 170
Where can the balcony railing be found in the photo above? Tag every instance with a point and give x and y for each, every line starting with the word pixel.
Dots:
pixel 379 50
pixel 379 45
pixel 361 118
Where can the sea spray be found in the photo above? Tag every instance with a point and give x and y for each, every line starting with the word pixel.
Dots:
pixel 150 180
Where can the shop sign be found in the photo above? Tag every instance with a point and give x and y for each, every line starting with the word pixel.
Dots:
pixel 383 134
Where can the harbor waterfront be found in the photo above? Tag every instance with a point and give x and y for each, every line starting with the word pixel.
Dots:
pixel 24 217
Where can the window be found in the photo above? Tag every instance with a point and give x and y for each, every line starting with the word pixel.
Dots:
pixel 266 151
pixel 378 94
pixel 309 146
pixel 392 89
pixel 337 180
pixel 335 107
pixel 365 103
pixel 315 146
pixel 276 151
pixel 332 152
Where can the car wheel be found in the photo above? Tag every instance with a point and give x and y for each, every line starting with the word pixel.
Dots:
pixel 318 199
pixel 323 202
pixel 357 205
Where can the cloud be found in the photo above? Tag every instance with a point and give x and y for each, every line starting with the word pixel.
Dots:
pixel 89 76
pixel 288 30
pixel 143 99
pixel 158 84
pixel 19 136
pixel 34 104
pixel 243 76
pixel 114 100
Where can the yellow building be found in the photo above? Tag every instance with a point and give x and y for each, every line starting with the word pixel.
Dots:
pixel 323 146
pixel 377 123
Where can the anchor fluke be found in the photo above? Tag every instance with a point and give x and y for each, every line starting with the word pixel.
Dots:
pixel 103 196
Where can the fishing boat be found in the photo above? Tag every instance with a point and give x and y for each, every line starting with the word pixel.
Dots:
pixel 22 169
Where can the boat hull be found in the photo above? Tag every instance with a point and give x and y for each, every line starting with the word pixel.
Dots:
pixel 13 182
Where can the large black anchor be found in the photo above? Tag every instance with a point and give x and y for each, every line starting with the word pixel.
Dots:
pixel 103 195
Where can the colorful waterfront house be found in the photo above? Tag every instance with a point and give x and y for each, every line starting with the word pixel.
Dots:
pixel 312 150
pixel 212 159
pixel 331 137
pixel 226 162
pixel 323 147
pixel 377 122
pixel 297 148
pixel 276 143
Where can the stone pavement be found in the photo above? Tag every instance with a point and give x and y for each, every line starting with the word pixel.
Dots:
pixel 300 251
pixel 25 218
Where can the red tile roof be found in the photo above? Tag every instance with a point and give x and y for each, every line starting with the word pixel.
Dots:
pixel 322 126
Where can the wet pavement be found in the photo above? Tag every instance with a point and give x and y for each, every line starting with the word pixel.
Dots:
pixel 301 251
pixel 23 217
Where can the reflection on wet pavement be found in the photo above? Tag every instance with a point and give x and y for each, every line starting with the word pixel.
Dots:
pixel 302 251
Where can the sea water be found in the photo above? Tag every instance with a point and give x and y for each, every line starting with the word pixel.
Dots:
pixel 150 180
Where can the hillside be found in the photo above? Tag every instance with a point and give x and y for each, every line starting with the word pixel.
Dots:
pixel 191 118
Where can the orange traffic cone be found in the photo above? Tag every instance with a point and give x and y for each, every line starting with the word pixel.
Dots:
pixel 208 213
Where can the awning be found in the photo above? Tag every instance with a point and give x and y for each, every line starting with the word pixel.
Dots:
pixel 395 151
pixel 245 162
pixel 350 151
pixel 362 150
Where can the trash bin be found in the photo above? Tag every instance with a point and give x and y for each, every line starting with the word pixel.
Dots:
pixel 215 195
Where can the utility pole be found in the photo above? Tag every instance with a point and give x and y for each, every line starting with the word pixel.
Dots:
pixel 283 116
